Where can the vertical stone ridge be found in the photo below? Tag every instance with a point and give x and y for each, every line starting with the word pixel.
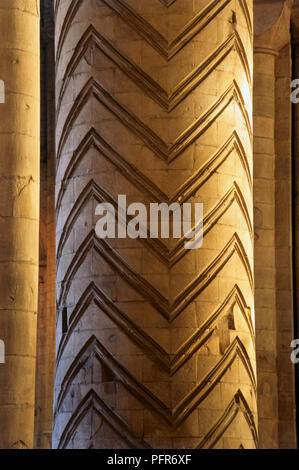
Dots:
pixel 155 343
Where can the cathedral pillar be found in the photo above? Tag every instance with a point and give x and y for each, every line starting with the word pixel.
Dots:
pixel 272 221
pixel 155 343
pixel 19 218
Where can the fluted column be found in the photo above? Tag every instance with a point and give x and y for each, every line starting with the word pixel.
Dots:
pixel 19 218
pixel 155 344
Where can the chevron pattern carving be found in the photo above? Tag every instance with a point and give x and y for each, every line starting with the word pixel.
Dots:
pixel 155 343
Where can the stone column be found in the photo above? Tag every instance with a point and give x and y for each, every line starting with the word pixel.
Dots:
pixel 155 343
pixel 272 224
pixel 295 138
pixel 19 218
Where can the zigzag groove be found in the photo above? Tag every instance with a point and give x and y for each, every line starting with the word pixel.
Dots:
pixel 175 416
pixel 167 152
pixel 93 401
pixel 148 32
pixel 69 17
pixel 170 363
pixel 168 257
pixel 143 287
pixel 237 405
pixel 167 101
pixel 144 184
pixel 169 49
pixel 167 3
pixel 201 391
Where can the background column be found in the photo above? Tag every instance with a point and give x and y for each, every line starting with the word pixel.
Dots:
pixel 19 217
pixel 272 224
